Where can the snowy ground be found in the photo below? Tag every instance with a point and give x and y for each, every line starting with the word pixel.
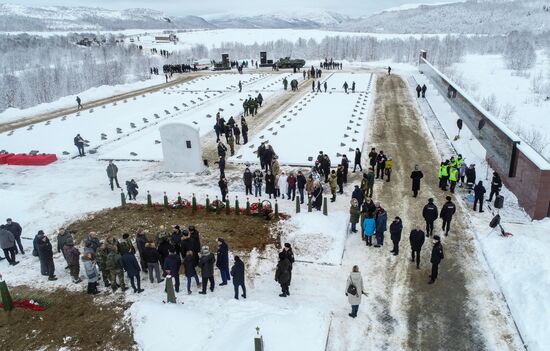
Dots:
pixel 517 99
pixel 518 262
pixel 333 122
pixel 46 198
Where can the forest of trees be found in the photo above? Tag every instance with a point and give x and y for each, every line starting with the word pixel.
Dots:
pixel 35 70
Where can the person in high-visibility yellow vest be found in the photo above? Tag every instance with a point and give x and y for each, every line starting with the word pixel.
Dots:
pixel 452 162
pixel 459 161
pixel 443 176
pixel 389 168
pixel 453 177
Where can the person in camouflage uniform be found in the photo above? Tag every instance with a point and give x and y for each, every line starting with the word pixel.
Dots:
pixel 125 245
pixel 101 258
pixel 116 272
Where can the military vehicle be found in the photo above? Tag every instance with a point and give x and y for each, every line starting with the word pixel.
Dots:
pixel 287 62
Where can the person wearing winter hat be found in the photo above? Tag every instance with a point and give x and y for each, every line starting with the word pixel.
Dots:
pixel 206 263
pixel 237 272
pixel 72 255
pixel 282 274
pixel 388 168
pixel 437 256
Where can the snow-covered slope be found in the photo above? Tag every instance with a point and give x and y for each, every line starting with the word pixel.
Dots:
pixel 303 18
pixel 483 17
pixel 19 18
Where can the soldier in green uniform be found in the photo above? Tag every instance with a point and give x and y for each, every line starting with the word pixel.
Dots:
pixel 115 269
pixel 101 258
pixel 125 245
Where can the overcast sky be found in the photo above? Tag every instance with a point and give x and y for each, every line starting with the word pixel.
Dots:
pixel 194 7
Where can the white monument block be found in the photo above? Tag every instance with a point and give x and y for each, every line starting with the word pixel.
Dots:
pixel 181 148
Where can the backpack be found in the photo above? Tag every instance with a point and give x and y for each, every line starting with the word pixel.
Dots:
pixel 352 289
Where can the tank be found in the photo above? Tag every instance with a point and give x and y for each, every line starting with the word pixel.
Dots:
pixel 287 62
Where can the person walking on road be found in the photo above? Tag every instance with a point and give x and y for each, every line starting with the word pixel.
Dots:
pixel 78 103
pixel 112 172
pixel 354 290
pixel 416 239
pixel 437 256
pixel 416 176
pixel 430 213
pixel 396 227
pixel 446 215
pixel 479 194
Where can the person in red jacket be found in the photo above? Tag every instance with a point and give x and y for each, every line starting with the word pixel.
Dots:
pixel 291 180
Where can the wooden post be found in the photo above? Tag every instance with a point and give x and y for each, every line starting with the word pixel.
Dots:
pixel 247 207
pixel 259 207
pixel 325 206
pixel 218 207
pixel 170 293
pixel 276 209
pixel 179 199
pixel 309 209
pixel 122 198
pixel 237 209
pixel 258 341
pixel 165 200
pixel 194 204
pixel 298 204
pixel 227 206
pixel 149 200
pixel 208 208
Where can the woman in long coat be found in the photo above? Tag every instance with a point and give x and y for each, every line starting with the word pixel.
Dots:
pixel 416 175
pixel 355 282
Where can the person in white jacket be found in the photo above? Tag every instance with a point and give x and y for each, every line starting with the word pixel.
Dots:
pixel 283 184
pixel 354 290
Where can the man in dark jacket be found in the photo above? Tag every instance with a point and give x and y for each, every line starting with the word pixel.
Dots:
pixel 381 224
pixel 131 266
pixel 206 263
pixel 45 254
pixel 416 240
pixel 380 164
pixel 247 178
pixel 358 195
pixel 282 274
pixel 16 230
pixel 496 185
pixel 196 241
pixel 396 227
pixel 301 182
pixel 479 194
pixel 79 143
pixel 112 172
pixel 424 88
pixel 357 160
pixel 222 261
pixel 418 90
pixel 237 272
pixel 141 240
pixel 172 265
pixel 437 256
pixel 429 213
pixel 370 183
pixel 345 167
pixel 446 215
pixel 189 265
pixel 72 255
pixel 416 175
pixel 287 250
pixel 372 157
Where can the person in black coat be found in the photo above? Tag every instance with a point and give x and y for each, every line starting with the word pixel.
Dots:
pixel 301 183
pixel 45 254
pixel 496 185
pixel 372 157
pixel 447 212
pixel 247 178
pixel 196 241
pixel 317 196
pixel 237 272
pixel 416 175
pixel 163 249
pixel 424 88
pixel 479 193
pixel 416 240
pixel 190 272
pixel 380 165
pixel 396 227
pixel 358 195
pixel 357 160
pixel 222 149
pixel 429 213
pixel 244 130
pixel 340 179
pixel 222 261
pixel 345 168
pixel 287 250
pixel 282 274
pixel 437 256
pixel 206 263
pixel 141 240
pixel 418 90
pixel 130 264
pixel 171 267
pixel 16 230
pixel 79 143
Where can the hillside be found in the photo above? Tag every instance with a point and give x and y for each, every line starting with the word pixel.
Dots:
pixel 480 17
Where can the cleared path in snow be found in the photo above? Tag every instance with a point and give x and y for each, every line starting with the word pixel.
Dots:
pixel 463 309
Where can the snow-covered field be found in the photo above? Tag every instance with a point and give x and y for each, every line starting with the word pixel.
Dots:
pixel 333 122
pixel 513 98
